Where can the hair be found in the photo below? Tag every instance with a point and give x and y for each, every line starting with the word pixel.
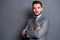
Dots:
pixel 36 2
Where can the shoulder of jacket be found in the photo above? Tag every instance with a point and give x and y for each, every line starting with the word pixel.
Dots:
pixel 29 20
pixel 46 19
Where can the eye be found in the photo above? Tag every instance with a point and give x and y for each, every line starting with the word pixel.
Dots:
pixel 38 7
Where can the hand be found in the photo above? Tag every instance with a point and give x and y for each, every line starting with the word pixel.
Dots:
pixel 38 28
pixel 24 32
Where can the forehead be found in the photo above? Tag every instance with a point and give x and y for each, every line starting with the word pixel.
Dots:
pixel 36 5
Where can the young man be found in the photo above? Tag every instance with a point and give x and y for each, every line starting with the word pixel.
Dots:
pixel 37 26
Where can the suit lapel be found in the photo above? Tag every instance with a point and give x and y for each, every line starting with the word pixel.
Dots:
pixel 41 19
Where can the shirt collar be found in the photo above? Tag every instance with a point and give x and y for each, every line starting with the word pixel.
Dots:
pixel 39 15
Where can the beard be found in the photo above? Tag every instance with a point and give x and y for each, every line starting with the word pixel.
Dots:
pixel 37 14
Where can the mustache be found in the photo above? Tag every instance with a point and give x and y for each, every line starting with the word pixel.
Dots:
pixel 36 11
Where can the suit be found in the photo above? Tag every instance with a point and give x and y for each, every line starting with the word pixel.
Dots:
pixel 40 34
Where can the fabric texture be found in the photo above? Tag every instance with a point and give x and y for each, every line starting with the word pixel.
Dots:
pixel 32 33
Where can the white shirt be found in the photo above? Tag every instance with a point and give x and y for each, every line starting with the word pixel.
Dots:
pixel 38 17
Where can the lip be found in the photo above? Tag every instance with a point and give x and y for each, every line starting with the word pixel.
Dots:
pixel 36 12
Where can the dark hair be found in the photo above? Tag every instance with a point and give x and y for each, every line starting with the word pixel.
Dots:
pixel 36 2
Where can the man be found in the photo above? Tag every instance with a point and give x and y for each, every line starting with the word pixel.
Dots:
pixel 37 26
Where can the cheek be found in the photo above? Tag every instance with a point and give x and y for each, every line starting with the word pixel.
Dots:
pixel 37 11
pixel 40 10
pixel 34 10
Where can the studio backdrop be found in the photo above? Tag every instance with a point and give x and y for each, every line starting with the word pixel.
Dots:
pixel 15 13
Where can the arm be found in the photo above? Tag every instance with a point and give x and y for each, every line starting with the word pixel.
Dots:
pixel 42 31
pixel 28 32
pixel 24 31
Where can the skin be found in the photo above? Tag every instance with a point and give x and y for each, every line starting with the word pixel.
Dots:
pixel 37 9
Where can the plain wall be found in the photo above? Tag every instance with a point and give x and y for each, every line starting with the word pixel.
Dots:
pixel 15 13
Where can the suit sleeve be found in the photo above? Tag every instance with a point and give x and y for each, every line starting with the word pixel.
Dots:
pixel 29 34
pixel 27 25
pixel 41 32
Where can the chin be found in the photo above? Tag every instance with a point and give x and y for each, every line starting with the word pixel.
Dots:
pixel 37 14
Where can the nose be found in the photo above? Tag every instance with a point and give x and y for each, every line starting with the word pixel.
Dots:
pixel 36 10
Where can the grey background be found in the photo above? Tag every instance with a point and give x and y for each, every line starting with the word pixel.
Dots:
pixel 14 16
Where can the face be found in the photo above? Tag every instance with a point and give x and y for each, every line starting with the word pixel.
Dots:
pixel 37 9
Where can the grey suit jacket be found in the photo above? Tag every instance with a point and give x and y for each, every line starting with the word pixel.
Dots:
pixel 34 34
